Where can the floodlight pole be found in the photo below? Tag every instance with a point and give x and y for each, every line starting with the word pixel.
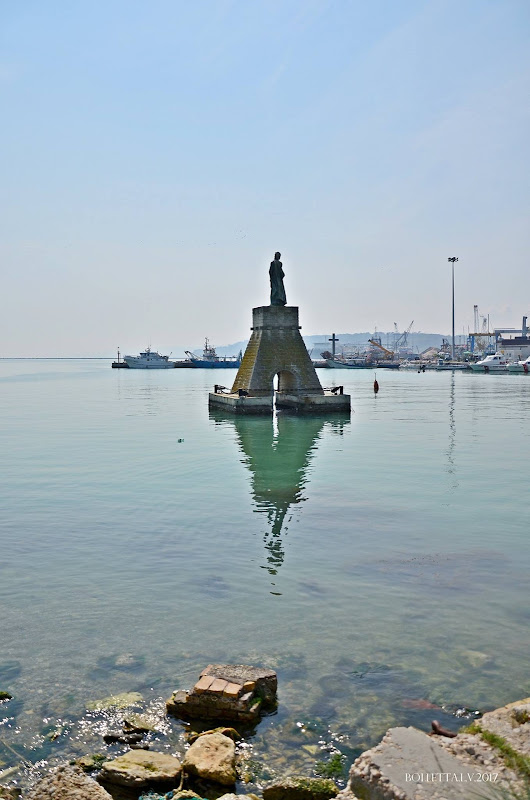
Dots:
pixel 452 260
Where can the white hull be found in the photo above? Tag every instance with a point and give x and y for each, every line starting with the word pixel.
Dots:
pixel 149 360
pixel 493 363
pixel 487 368
pixel 417 366
pixel 133 364
pixel 521 366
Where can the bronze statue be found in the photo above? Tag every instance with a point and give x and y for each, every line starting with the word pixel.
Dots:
pixel 277 275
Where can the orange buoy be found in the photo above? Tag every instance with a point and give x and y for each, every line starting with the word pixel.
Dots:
pixel 376 386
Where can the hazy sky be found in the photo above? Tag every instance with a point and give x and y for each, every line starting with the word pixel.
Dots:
pixel 156 153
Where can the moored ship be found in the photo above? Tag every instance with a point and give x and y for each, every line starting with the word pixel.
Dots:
pixel 149 359
pixel 493 363
pixel 210 359
pixel 520 366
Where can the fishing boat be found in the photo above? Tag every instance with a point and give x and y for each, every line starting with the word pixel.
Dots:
pixel 354 361
pixel 520 366
pixel 416 365
pixel 443 365
pixel 493 363
pixel 338 363
pixel 210 359
pixel 149 359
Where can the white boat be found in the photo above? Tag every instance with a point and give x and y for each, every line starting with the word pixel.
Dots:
pixel 415 365
pixel 339 363
pixel 451 365
pixel 418 366
pixel 494 363
pixel 149 359
pixel 520 366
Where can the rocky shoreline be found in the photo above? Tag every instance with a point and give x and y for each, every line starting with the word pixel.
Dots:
pixel 488 759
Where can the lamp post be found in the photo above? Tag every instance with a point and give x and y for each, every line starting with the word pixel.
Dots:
pixel 452 260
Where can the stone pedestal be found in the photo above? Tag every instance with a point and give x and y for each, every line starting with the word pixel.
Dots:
pixel 275 348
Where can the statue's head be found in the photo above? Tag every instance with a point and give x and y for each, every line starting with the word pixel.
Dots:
pixel 277 256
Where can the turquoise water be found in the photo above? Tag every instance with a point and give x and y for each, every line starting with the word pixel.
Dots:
pixel 379 563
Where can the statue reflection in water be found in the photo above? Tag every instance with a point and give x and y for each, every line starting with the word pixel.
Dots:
pixel 277 452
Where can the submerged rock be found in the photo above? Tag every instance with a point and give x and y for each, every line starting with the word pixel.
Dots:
pixel 68 783
pixel 123 738
pixel 139 723
pixel 5 696
pixel 475 658
pixel 139 768
pixel 299 788
pixel 123 700
pixel 128 661
pixel 212 757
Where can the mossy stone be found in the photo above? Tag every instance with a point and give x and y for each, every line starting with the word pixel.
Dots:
pixel 300 788
pixel 91 762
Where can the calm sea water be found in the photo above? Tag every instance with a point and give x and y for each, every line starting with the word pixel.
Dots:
pixel 379 563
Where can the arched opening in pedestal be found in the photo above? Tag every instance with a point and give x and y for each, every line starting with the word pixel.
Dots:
pixel 286 382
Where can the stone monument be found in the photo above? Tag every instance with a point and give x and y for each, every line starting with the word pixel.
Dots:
pixel 277 275
pixel 276 348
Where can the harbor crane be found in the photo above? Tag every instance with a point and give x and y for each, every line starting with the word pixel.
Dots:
pixel 402 340
pixel 377 343
pixel 479 336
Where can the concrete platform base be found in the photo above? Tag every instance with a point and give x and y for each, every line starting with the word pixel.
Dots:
pixel 313 403
pixel 240 405
pixel 299 404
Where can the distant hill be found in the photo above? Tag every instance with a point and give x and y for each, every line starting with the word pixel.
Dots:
pixel 417 341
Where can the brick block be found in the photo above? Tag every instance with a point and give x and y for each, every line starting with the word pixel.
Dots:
pixel 232 690
pixel 203 683
pixel 218 686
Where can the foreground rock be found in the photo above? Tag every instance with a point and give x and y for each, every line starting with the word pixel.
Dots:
pixel 68 783
pixel 9 794
pixel 512 723
pixel 232 796
pixel 212 757
pixel 226 691
pixel 296 788
pixel 187 794
pixel 192 736
pixel 140 768
pixel 409 765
